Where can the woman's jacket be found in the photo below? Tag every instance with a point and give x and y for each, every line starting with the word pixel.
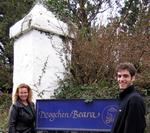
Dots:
pixel 21 118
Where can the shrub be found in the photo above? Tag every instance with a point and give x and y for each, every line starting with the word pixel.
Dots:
pixel 5 102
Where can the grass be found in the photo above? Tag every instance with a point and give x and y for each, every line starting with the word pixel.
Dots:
pixel 5 102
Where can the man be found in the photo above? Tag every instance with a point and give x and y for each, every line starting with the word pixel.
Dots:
pixel 131 113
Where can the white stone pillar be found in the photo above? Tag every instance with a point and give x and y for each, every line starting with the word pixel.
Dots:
pixel 38 51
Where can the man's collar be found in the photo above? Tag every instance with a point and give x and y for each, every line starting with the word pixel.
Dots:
pixel 126 91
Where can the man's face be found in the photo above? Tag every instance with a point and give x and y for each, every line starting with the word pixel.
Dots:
pixel 124 79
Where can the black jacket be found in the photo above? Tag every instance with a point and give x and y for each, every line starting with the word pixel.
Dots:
pixel 21 119
pixel 131 113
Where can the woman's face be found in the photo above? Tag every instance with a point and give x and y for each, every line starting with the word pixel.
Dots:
pixel 23 94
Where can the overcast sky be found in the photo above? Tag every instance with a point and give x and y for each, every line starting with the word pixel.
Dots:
pixel 102 18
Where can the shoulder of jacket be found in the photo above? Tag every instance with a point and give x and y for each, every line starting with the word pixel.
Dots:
pixel 14 107
pixel 135 98
pixel 17 104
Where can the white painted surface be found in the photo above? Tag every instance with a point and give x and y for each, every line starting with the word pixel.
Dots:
pixel 33 48
pixel 39 18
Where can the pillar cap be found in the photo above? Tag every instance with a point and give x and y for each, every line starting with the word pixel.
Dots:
pixel 39 18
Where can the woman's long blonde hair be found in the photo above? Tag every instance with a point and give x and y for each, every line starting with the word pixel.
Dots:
pixel 23 85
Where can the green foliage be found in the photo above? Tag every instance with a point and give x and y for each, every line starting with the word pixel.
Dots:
pixel 103 89
pixel 131 11
pixel 82 13
pixel 5 102
pixel 60 8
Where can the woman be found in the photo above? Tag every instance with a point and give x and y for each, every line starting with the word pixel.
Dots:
pixel 22 113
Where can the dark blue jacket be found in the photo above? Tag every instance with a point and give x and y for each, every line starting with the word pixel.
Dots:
pixel 131 113
pixel 21 119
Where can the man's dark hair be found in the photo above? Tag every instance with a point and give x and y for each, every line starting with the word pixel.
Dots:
pixel 127 66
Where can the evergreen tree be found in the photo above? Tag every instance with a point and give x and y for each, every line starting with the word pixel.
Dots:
pixel 131 12
pixel 82 13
